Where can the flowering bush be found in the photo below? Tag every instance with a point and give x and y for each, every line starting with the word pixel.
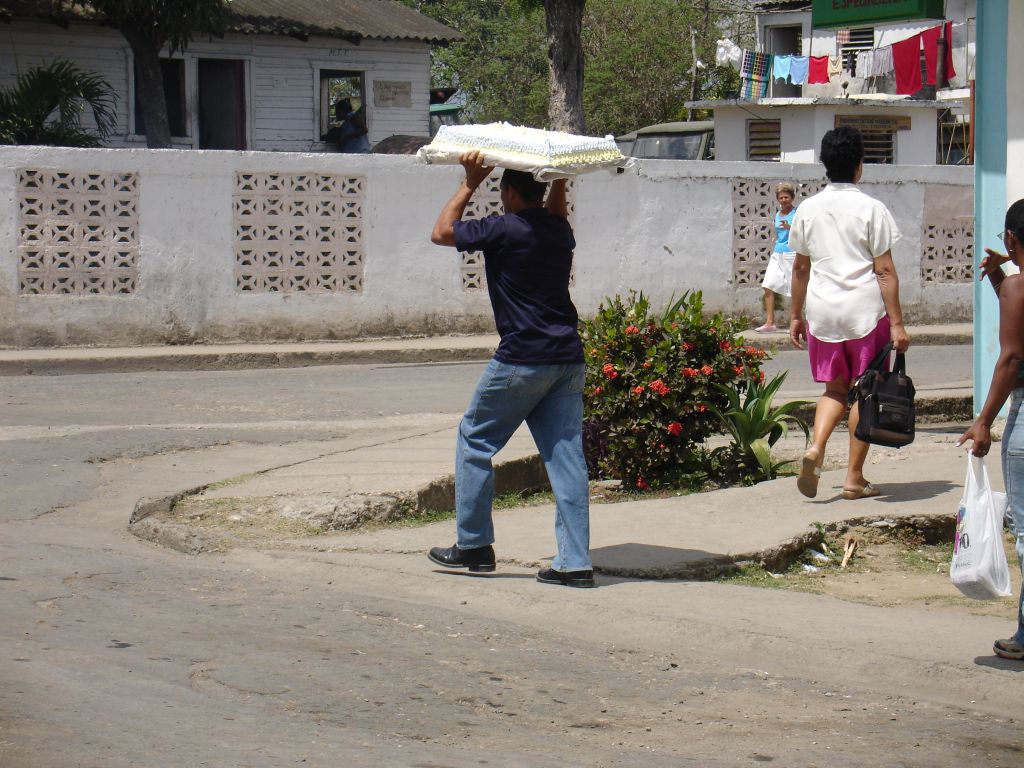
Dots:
pixel 651 387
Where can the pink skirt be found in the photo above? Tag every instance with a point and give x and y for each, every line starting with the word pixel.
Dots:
pixel 846 360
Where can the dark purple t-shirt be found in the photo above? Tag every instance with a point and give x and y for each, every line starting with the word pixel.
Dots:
pixel 527 259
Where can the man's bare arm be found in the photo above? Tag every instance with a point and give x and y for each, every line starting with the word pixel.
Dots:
pixel 476 172
pixel 557 204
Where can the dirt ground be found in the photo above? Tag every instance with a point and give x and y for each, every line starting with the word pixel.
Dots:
pixel 886 571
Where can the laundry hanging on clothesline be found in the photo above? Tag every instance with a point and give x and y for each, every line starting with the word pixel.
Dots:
pixel 755 74
pixel 727 53
pixel 817 70
pixel 930 41
pixel 791 68
pixel 906 63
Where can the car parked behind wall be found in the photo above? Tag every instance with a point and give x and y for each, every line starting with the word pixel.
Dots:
pixel 671 141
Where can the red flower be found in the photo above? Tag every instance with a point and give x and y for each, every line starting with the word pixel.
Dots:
pixel 594 352
pixel 760 377
pixel 701 408
pixel 662 447
pixel 638 390
pixel 738 370
pixel 707 370
pixel 725 346
pixel 659 387
pixel 646 364
pixel 675 429
pixel 690 373
pixel 609 371
pixel 641 483
pixel 597 390
pixel 631 329
pixel 752 352
pixel 688 346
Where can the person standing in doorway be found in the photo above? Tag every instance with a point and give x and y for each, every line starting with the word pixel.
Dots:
pixel 536 375
pixel 779 274
pixel 844 276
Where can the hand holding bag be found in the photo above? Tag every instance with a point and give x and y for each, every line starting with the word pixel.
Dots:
pixel 885 402
pixel 979 567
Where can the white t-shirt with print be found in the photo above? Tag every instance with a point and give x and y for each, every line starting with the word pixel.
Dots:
pixel 843 231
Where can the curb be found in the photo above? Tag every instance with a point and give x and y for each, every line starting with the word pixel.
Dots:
pixel 149 520
pixel 209 358
pixel 232 361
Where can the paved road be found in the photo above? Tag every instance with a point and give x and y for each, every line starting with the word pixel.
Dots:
pixel 116 653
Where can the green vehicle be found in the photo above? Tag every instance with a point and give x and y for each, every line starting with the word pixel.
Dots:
pixel 693 140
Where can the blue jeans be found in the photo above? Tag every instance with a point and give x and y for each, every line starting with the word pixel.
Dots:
pixel 549 398
pixel 1013 476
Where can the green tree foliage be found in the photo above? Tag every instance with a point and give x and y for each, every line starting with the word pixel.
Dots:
pixel 46 104
pixel 149 27
pixel 638 61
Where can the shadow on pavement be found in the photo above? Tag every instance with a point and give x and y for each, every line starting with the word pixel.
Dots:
pixel 896 493
pixel 917 491
pixel 1003 665
pixel 652 561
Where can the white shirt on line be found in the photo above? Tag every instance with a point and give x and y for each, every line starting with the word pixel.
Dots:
pixel 843 231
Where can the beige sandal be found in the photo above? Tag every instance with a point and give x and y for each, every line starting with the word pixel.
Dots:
pixel 810 471
pixel 867 492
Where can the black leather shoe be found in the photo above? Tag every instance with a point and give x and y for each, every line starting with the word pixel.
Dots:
pixel 476 560
pixel 566 578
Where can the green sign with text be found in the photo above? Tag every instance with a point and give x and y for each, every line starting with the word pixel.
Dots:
pixel 860 13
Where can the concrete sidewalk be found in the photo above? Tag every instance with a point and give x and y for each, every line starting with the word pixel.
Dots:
pixel 680 537
pixel 211 357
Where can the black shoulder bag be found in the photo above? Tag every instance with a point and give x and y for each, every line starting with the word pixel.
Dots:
pixel 886 402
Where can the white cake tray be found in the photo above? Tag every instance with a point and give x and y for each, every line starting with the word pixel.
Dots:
pixel 542 170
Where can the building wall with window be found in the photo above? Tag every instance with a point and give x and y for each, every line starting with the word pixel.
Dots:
pixel 778 31
pixel 739 130
pixel 275 81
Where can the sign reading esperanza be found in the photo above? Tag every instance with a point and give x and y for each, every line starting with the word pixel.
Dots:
pixel 855 13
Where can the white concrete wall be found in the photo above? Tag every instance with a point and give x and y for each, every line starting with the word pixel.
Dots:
pixel 663 228
pixel 803 126
pixel 283 98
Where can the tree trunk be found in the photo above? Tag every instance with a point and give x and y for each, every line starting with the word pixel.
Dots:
pixel 152 101
pixel 565 62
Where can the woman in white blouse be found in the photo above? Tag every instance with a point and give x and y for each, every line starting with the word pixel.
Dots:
pixel 846 302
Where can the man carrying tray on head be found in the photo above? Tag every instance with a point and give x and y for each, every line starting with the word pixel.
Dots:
pixel 537 372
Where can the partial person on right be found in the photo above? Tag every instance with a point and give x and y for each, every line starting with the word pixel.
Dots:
pixel 1007 381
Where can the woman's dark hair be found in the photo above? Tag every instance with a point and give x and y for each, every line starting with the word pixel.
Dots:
pixel 1015 219
pixel 842 150
pixel 529 189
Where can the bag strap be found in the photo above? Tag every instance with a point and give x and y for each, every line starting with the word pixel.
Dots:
pixel 876 364
pixel 900 365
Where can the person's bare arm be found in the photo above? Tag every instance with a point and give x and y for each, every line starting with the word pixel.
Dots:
pixel 798 291
pixel 992 267
pixel 1007 368
pixel 557 203
pixel 476 172
pixel 889 283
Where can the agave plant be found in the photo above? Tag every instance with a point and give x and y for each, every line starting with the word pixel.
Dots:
pixel 45 106
pixel 755 424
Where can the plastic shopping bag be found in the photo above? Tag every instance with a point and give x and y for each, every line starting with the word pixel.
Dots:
pixel 979 567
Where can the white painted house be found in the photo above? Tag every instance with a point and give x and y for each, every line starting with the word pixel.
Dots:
pixel 268 84
pixel 928 127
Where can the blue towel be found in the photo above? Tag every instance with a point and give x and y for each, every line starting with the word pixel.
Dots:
pixel 798 70
pixel 780 67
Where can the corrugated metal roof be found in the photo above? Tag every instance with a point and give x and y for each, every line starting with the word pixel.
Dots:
pixel 375 19
pixel 349 19
pixel 773 6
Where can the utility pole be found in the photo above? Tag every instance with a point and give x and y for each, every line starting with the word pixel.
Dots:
pixel 694 71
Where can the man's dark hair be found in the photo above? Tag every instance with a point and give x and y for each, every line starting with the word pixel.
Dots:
pixel 1015 219
pixel 342 107
pixel 842 150
pixel 529 189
